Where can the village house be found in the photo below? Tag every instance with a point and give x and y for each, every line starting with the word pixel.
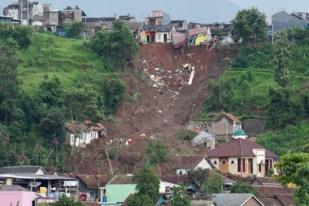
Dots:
pixel 158 18
pixel 242 157
pixel 35 178
pixel 180 25
pixel 224 126
pixel 79 134
pixel 236 199
pixel 284 21
pixel 16 195
pixel 204 138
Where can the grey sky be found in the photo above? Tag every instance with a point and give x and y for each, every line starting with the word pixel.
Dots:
pixel 193 10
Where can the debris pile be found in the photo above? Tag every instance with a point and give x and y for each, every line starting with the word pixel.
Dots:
pixel 171 79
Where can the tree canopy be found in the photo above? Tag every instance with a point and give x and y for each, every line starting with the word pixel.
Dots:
pixel 250 26
pixel 117 46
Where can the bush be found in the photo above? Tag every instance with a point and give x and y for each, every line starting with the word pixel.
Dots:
pixel 214 184
pixel 243 188
pixel 65 201
pixel 185 135
pixel 118 46
pixel 74 30
pixel 22 35
pixel 156 152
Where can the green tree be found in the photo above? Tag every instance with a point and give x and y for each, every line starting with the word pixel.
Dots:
pixel 8 81
pixel 65 201
pixel 294 168
pixel 148 183
pixel 180 197
pixel 52 125
pixel 282 110
pixel 214 184
pixel 156 152
pixel 83 103
pixel 74 30
pixel 117 45
pixel 112 92
pixel 6 154
pixel 140 200
pixel 240 187
pixel 250 26
pixel 198 177
pixel 282 58
pixel 50 92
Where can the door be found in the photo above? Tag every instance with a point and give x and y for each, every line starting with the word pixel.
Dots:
pixel 224 166
pixel 165 38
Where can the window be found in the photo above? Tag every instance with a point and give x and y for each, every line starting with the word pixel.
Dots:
pixel 232 162
pixel 223 162
pixel 244 165
pixel 239 164
pixel 260 167
pixel 215 162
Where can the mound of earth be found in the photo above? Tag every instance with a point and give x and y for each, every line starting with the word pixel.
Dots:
pixel 161 102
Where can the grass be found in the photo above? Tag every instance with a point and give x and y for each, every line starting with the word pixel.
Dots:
pixel 51 56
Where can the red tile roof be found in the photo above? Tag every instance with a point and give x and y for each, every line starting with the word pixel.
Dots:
pixel 94 181
pixel 238 148
pixel 277 195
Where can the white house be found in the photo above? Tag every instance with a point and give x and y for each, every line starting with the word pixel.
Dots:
pixel 81 134
pixel 164 33
pixel 186 163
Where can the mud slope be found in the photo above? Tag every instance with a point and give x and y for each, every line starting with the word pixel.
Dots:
pixel 162 102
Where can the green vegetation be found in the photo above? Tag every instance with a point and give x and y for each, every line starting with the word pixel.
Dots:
pixel 46 81
pixel 74 30
pixel 180 197
pixel 117 46
pixel 198 177
pixel 214 184
pixel 65 201
pixel 243 188
pixel 294 169
pixel 156 152
pixel 185 135
pixel 148 184
pixel 250 25
pixel 268 81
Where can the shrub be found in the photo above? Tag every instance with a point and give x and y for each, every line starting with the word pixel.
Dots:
pixel 185 135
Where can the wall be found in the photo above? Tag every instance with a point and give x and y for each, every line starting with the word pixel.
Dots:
pixel 12 198
pixel 220 128
pixel 282 21
pixel 233 167
pixel 204 165
pixel 252 202
pixel 217 160
pixel 160 37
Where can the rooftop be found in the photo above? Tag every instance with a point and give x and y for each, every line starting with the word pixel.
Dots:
pixel 238 148
pixel 122 179
pixel 20 169
pixel 232 199
pixel 12 188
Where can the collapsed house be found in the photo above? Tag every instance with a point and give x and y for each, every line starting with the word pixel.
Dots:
pixel 79 134
pixel 206 139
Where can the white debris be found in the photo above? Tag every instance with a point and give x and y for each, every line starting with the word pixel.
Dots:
pixel 191 76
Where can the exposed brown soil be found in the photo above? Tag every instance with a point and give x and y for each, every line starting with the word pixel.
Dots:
pixel 161 103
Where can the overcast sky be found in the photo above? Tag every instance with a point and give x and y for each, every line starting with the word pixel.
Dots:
pixel 193 10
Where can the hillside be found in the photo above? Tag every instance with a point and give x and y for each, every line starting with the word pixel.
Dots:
pixel 50 56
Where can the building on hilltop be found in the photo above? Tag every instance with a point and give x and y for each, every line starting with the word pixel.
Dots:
pixel 158 18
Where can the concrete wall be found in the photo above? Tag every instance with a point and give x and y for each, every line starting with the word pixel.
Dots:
pixel 14 198
pixel 203 165
pixel 160 37
pixel 119 192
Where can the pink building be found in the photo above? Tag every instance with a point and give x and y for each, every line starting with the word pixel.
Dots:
pixel 13 195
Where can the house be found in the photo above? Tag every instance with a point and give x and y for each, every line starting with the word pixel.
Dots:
pixel 283 21
pixel 224 126
pixel 199 36
pixel 12 10
pixel 118 189
pixel 204 138
pixel 228 199
pixel 253 127
pixel 242 157
pixel 16 195
pixel 90 185
pixel 180 25
pixel 158 18
pixel 181 165
pixel 70 15
pixel 275 195
pixel 79 134
pixel 35 178
pixel 163 34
